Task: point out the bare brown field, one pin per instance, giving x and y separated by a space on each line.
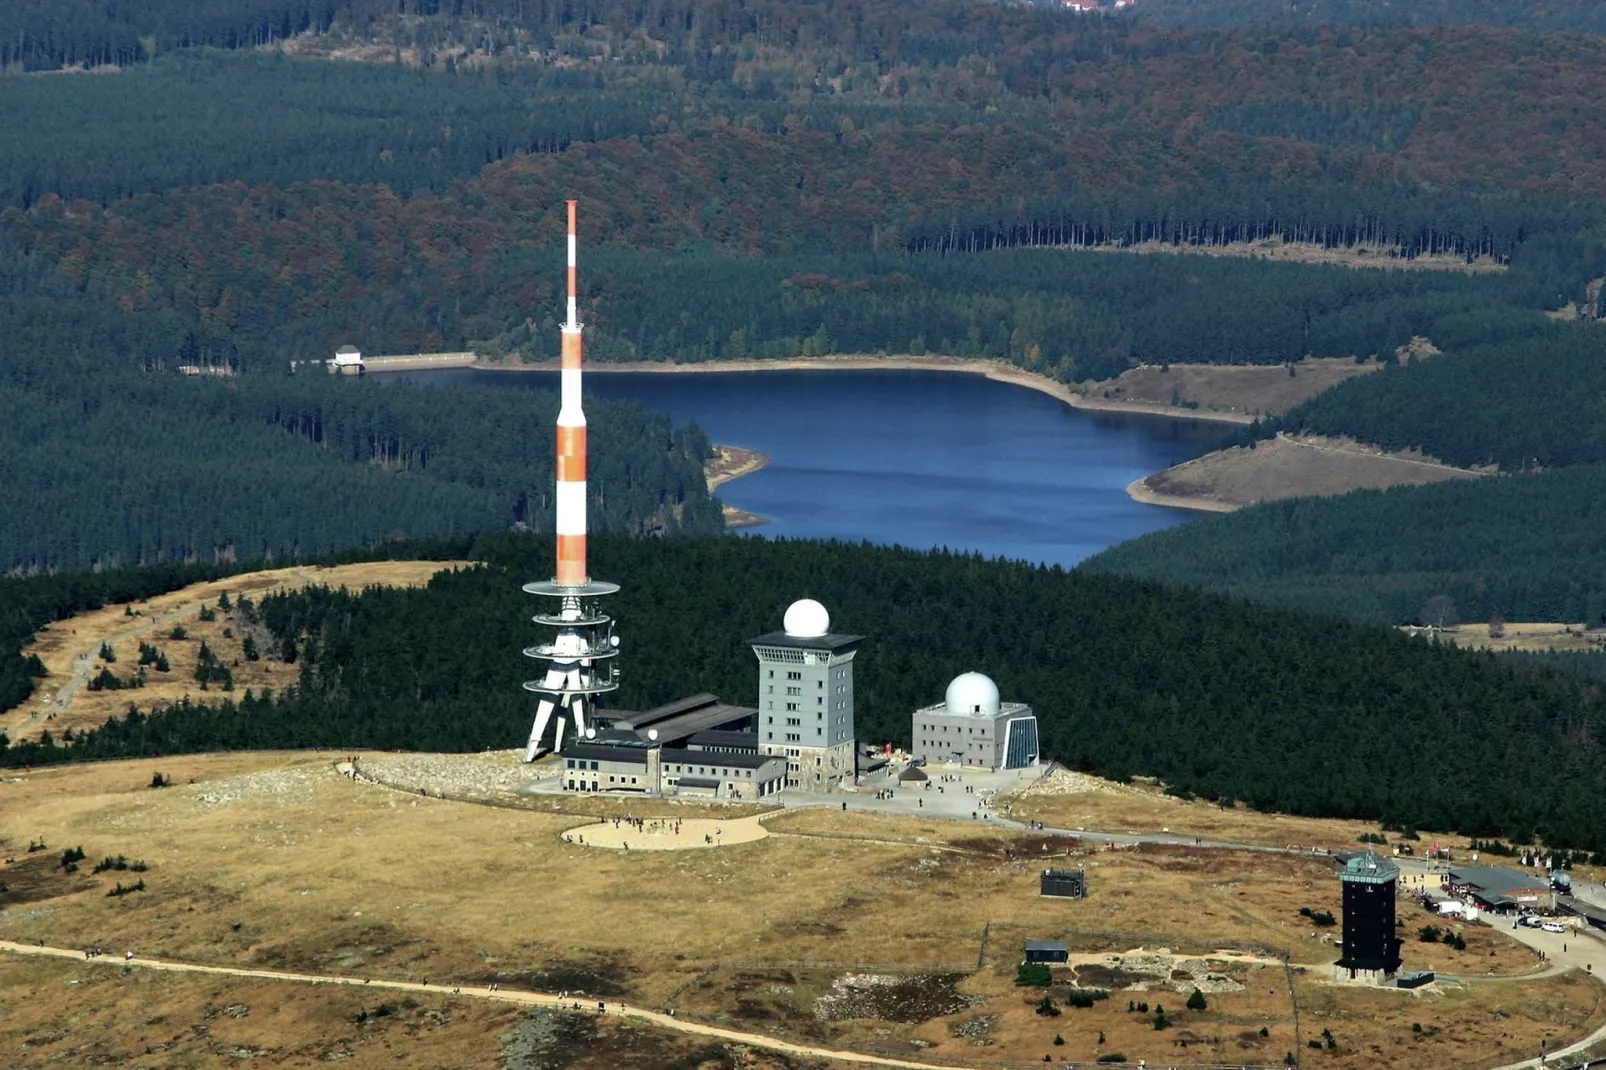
1143 808
277 861
1287 467
1356 256
1248 390
62 645
1473 1025
1534 636
95 1013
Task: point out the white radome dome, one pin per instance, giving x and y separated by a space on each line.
806 619
972 693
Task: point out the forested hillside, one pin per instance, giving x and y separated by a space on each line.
412 195
1307 714
1518 548
111 455
1527 401
1584 16
244 182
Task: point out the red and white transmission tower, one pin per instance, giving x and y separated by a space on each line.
579 659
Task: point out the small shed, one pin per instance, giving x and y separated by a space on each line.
1053 952
913 775
1063 883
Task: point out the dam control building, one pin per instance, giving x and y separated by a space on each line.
973 727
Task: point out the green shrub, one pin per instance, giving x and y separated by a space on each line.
1034 974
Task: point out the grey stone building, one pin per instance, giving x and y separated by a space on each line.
972 727
805 698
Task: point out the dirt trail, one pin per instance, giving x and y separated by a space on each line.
516 996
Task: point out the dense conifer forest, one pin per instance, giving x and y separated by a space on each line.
406 190
1284 710
1524 544
113 456
1517 548
244 182
1525 401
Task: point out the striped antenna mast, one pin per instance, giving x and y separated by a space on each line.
571 452
578 660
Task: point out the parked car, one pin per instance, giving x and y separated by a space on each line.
1553 927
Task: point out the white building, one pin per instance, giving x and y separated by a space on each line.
972 727
347 361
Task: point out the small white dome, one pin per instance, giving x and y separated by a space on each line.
806 619
972 693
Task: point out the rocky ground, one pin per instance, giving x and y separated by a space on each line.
1066 782
488 775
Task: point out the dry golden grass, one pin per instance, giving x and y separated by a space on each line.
1472 1025
275 860
1148 810
60 645
1244 389
56 1011
1288 466
1534 636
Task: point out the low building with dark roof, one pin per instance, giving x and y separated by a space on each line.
1049 951
665 751
1499 889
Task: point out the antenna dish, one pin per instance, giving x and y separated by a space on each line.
806 619
652 733
591 733
613 639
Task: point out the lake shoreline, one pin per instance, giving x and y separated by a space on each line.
732 463
1139 491
996 370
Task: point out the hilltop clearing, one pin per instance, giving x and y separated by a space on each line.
1287 466
1208 693
173 624
1243 391
276 861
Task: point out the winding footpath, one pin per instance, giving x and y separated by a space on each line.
1582 951
500 995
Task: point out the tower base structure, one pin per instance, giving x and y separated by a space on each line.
579 661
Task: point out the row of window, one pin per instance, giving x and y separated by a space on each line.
983 731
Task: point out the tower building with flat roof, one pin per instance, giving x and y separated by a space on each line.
805 698
1371 946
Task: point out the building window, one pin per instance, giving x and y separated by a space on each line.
794 676
770 690
593 767
821 683
791 705
794 691
772 674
